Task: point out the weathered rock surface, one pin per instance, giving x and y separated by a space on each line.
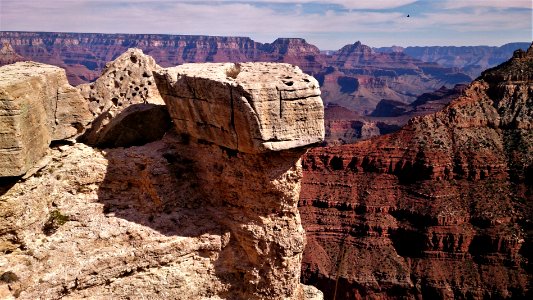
178 218
441 209
126 81
259 106
37 106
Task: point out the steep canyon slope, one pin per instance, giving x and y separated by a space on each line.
441 209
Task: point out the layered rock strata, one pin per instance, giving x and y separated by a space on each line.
472 59
439 210
37 106
354 76
8 55
184 217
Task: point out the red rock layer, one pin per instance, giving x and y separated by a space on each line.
441 209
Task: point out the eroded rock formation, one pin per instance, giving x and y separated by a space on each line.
125 103
439 210
260 106
37 106
359 77
188 216
472 59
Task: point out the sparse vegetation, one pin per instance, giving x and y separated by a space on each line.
55 221
233 71
9 277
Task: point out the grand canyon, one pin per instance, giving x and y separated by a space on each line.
193 167
355 76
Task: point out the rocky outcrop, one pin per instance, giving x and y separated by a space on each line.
295 51
127 81
260 106
439 210
188 216
37 106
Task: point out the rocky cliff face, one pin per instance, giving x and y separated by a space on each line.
360 77
424 104
187 216
439 210
8 55
355 76
472 59
344 126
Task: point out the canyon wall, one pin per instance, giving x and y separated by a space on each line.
206 211
355 76
439 210
471 59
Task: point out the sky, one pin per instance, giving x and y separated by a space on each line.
326 24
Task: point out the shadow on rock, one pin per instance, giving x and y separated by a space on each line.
136 125
246 203
6 183
155 186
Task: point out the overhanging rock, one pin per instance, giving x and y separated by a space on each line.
249 107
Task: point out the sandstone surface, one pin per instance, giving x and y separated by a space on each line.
259 106
441 209
37 106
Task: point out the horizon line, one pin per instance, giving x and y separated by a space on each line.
252 39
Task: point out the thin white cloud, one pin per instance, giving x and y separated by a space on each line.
456 4
352 4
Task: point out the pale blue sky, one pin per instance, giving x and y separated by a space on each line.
327 24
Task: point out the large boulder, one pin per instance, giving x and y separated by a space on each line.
249 107
37 105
